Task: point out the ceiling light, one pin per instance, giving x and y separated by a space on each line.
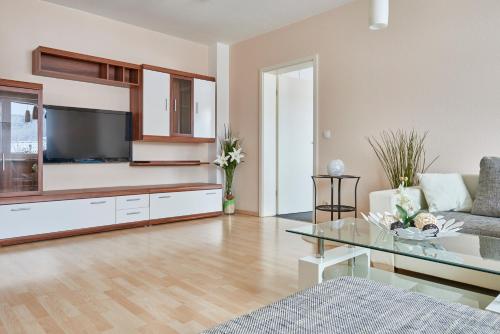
379 14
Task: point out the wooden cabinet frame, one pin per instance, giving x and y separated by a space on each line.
35 89
175 114
137 112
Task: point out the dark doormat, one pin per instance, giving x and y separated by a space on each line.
300 216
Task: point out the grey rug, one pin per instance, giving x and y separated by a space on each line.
350 305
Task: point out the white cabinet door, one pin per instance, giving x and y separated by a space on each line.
185 203
210 200
37 218
166 205
156 103
204 109
91 212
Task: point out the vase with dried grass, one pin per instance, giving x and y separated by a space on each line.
402 155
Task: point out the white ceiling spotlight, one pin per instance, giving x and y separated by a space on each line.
379 14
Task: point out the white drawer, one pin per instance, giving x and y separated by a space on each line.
132 215
176 204
37 218
132 202
210 200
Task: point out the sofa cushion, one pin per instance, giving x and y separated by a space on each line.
473 224
487 202
445 192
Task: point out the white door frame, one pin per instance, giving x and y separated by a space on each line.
315 61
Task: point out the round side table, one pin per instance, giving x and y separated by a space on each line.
339 207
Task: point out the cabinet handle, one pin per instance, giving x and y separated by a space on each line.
197 107
3 161
100 202
133 213
164 197
133 199
166 104
20 209
175 105
210 193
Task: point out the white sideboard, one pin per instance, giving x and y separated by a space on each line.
30 221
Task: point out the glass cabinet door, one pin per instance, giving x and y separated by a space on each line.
182 106
20 118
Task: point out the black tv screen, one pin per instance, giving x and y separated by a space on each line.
86 135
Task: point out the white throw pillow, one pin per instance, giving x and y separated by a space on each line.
445 192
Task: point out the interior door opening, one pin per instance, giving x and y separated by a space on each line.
287 141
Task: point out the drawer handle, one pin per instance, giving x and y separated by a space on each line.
133 213
20 209
99 202
165 197
210 193
133 199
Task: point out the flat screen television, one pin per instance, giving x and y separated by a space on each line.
82 135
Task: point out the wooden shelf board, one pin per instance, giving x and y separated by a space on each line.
180 139
176 163
75 77
59 195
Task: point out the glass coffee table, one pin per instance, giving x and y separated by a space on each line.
359 237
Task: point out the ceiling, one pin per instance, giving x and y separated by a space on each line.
206 21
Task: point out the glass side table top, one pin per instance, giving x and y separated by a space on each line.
469 251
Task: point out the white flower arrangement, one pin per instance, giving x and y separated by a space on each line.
230 157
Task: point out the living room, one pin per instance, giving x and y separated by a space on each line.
137 172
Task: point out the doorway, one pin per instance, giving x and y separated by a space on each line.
287 140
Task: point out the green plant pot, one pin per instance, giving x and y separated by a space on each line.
229 206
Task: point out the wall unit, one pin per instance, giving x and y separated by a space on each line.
174 106
56 214
68 65
21 121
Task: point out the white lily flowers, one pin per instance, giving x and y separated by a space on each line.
236 155
222 160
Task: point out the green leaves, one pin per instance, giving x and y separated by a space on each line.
405 218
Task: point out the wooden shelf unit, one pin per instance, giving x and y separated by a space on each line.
68 65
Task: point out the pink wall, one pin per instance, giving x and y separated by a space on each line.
435 68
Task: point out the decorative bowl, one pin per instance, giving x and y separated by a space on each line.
445 228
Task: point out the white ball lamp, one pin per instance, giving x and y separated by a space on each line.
379 14
335 168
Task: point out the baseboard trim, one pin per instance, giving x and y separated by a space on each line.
247 213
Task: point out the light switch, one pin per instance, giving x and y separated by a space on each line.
327 134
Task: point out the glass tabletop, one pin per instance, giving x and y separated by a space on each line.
469 251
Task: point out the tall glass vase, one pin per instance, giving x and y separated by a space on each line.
229 201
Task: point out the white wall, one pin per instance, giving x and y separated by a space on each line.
26 24
268 145
295 141
219 67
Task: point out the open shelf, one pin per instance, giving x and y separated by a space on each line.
175 163
75 66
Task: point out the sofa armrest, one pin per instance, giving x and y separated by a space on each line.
386 200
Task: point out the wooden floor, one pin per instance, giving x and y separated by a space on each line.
174 278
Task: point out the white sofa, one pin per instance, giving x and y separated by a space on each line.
385 200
